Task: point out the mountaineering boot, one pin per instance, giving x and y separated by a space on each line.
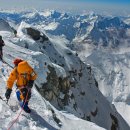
25 106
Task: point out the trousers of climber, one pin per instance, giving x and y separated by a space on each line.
1 47
24 76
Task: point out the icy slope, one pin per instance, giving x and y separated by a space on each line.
41 117
53 59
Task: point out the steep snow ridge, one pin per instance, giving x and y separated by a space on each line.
41 117
30 122
84 88
82 97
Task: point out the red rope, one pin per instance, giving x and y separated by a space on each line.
14 121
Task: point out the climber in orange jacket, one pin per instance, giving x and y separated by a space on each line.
24 76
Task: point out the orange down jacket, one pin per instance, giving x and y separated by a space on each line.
21 74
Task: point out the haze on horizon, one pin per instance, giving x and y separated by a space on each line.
116 7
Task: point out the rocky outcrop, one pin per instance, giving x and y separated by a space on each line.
36 35
56 88
114 125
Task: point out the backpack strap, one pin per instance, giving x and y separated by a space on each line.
24 75
16 72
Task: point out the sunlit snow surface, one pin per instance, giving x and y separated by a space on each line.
110 70
41 117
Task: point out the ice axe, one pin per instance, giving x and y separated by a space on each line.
6 101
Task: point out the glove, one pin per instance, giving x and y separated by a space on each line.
8 92
30 83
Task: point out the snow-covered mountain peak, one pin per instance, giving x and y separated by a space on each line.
63 79
104 23
94 28
51 13
21 29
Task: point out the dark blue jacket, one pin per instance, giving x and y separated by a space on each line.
1 44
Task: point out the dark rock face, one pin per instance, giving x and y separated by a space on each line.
114 125
36 35
69 91
54 86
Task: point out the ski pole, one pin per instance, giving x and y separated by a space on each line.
2 99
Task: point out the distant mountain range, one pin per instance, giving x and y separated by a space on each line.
86 28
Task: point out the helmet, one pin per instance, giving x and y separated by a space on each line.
17 61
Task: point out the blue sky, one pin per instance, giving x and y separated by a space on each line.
76 6
103 1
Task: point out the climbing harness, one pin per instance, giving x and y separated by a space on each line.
14 121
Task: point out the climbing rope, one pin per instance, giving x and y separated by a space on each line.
14 121
28 90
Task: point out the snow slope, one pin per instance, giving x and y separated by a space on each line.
41 117
90 109
52 59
